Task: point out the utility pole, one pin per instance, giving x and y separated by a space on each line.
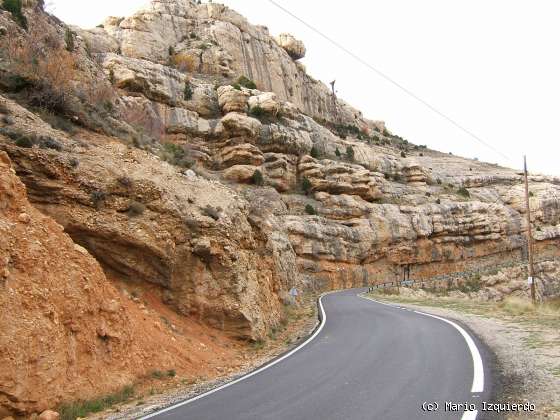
529 234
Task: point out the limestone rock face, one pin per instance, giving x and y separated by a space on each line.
232 100
240 173
238 124
266 102
340 178
158 187
222 43
159 249
156 81
293 47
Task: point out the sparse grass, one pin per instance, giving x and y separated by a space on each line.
82 409
517 306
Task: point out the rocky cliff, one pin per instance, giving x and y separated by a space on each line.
185 149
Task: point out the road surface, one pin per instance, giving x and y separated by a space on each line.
367 361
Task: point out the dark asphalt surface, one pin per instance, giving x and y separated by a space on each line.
370 361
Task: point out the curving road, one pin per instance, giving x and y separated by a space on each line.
368 361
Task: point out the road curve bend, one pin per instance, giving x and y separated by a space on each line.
367 360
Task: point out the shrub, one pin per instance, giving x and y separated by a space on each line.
74 163
136 209
171 373
314 152
6 119
112 76
464 192
57 122
236 86
246 82
97 197
183 62
350 153
257 111
306 185
438 201
257 178
69 39
171 51
50 143
15 8
125 181
188 92
309 209
24 142
403 154
337 152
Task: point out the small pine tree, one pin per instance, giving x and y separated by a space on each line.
350 153
188 93
337 153
69 38
403 154
112 76
314 152
171 51
306 185
257 178
309 209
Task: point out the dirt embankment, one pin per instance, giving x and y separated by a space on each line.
67 333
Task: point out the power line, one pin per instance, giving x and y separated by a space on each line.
391 80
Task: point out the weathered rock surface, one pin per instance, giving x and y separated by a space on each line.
293 47
63 319
338 201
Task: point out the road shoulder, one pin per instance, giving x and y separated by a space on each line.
525 353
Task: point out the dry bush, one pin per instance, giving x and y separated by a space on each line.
184 62
43 62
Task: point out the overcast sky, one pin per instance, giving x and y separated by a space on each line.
493 66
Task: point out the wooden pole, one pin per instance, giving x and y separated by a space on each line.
529 233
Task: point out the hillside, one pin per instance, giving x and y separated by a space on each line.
186 151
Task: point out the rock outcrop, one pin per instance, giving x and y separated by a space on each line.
162 167
62 321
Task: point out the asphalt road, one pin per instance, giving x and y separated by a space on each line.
369 361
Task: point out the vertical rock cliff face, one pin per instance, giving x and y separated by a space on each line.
215 40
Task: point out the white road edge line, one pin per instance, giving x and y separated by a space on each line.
478 368
470 415
253 373
478 379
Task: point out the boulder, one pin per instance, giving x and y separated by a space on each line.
240 173
267 102
49 415
232 100
238 124
294 47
